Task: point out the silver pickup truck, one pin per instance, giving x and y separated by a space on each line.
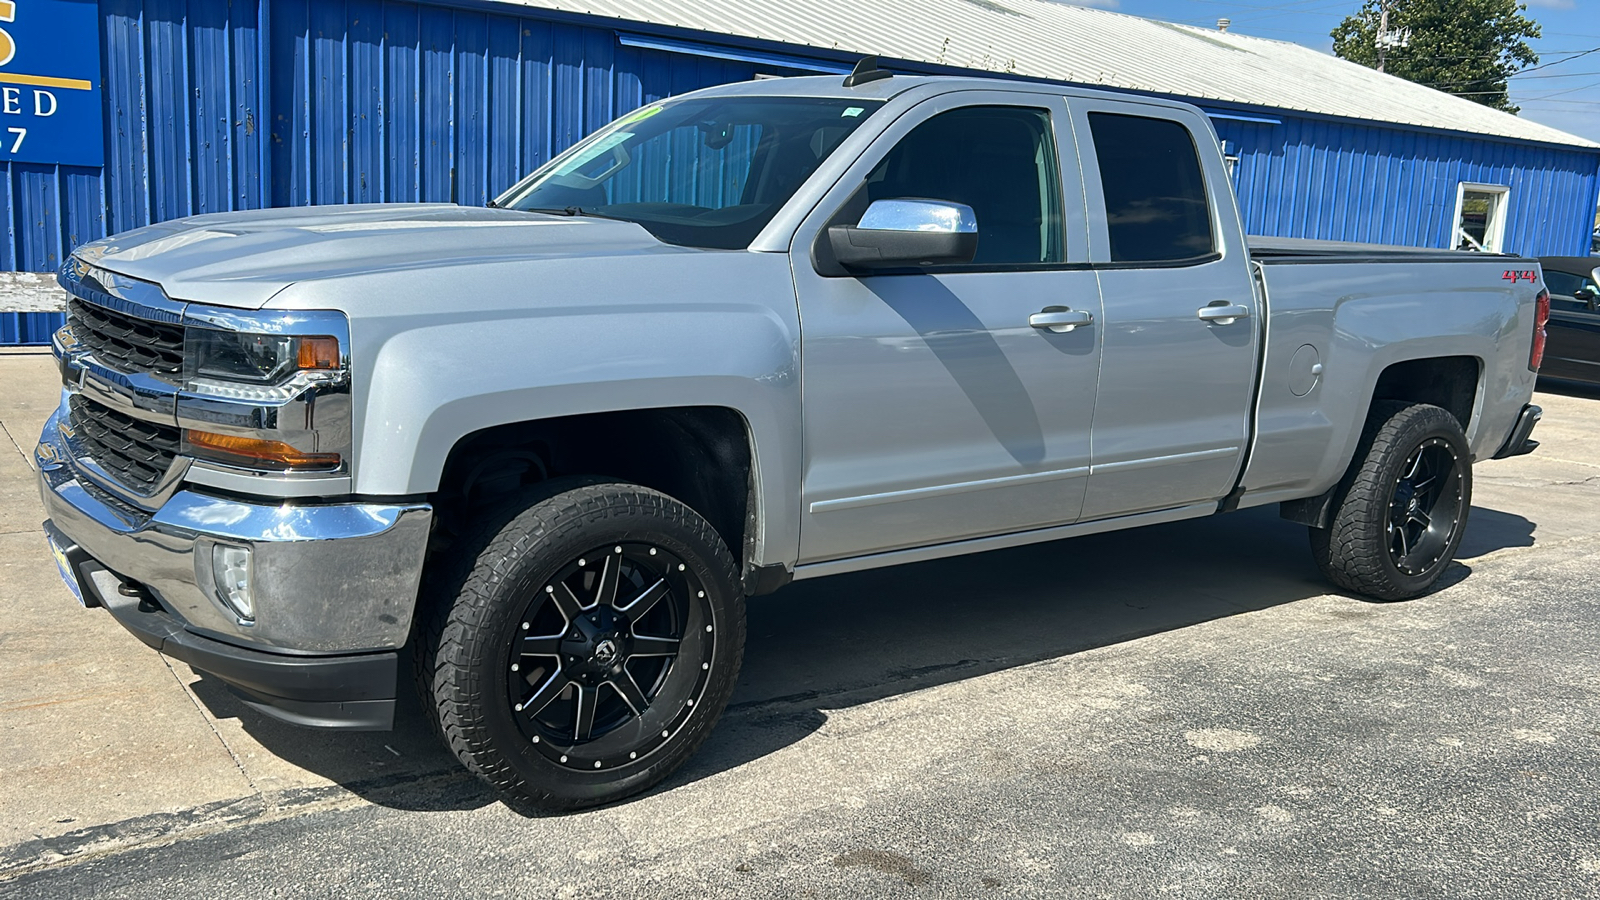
767 331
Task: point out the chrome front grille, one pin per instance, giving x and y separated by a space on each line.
134 452
126 343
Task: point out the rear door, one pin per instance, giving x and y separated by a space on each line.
1181 319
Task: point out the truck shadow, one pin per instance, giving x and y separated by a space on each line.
406 768
1489 530
853 639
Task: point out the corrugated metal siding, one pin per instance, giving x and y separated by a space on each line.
397 101
213 106
28 329
369 101
1344 182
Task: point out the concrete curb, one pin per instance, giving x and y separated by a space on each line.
31 292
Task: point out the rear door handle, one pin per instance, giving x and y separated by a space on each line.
1224 313
1060 319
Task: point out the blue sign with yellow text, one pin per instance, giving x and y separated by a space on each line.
50 82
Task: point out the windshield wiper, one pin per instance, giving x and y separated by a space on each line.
570 211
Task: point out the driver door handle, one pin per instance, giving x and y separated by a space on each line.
1223 314
1060 319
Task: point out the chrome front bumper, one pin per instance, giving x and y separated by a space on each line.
327 579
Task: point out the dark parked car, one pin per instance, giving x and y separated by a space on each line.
1573 351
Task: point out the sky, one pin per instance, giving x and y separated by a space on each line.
1564 93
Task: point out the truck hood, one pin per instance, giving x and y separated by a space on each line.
242 259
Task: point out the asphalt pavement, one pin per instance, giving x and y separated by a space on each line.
1178 710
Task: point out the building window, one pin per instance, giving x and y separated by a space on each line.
1480 217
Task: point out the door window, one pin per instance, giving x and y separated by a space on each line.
999 160
1480 217
1156 207
1563 286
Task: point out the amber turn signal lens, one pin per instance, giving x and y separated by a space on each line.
254 451
319 353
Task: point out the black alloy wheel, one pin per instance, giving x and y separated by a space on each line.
581 643
611 657
1426 507
1401 508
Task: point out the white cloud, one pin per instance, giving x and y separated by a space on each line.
1552 4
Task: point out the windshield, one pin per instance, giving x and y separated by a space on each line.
702 173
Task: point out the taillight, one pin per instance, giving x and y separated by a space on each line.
1541 316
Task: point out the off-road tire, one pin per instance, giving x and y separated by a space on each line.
1354 552
469 623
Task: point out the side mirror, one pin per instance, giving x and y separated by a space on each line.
1585 295
907 233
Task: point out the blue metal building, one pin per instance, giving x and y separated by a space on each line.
213 105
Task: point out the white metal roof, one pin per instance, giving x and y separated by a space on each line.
1045 39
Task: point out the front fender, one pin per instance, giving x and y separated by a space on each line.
498 347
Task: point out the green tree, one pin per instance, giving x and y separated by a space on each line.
1464 47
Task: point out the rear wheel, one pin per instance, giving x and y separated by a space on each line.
589 646
1403 506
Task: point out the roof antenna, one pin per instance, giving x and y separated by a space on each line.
865 71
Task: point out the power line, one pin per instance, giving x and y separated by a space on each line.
1567 75
1581 87
1446 84
1573 53
1560 61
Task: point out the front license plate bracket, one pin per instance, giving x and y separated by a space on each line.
68 556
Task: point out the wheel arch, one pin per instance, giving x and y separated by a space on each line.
703 455
1453 383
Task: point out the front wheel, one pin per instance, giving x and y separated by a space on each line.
1403 506
589 646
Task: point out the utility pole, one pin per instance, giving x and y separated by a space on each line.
1383 33
1387 38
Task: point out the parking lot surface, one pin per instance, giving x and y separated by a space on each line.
1184 709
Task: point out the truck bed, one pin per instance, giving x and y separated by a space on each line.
1270 250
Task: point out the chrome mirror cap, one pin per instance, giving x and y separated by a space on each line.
938 216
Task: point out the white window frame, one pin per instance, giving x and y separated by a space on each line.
1495 228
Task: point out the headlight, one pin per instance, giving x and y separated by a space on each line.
267 391
258 358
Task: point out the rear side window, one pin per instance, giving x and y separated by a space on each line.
1156 208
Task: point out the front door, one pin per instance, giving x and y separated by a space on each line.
1181 325
1572 349
934 412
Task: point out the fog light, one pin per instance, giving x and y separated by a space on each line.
230 569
